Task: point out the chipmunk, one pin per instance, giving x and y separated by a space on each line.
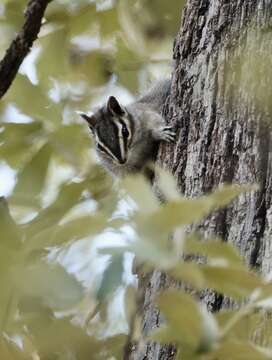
127 137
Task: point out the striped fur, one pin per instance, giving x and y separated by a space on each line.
127 138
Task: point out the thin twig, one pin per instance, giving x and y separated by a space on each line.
22 43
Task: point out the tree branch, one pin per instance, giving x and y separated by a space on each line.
22 43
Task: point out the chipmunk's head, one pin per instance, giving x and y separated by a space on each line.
112 128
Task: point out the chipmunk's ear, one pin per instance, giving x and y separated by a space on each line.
114 107
91 119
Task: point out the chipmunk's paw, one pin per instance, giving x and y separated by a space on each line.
168 134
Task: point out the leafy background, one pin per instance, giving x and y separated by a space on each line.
69 232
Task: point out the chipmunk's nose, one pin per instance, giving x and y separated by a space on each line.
123 161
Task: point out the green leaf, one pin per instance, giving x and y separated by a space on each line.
213 249
70 339
185 211
14 14
140 191
236 282
182 315
81 227
17 131
265 296
48 66
108 22
4 350
41 108
167 184
101 186
69 231
11 235
130 302
31 179
50 282
164 335
60 337
10 257
71 143
227 193
82 20
94 67
245 328
127 65
114 346
11 241
16 141
190 273
68 196
10 351
112 278
236 350
153 253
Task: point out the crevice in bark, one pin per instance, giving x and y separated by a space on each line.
260 217
218 302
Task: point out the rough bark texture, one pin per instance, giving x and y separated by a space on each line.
22 43
224 134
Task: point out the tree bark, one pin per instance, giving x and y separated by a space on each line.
222 114
22 43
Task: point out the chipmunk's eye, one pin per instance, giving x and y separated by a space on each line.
125 132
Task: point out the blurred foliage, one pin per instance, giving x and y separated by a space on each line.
248 69
63 203
197 333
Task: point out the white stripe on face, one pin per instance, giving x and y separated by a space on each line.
121 138
107 150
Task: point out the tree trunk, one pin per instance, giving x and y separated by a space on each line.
219 102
